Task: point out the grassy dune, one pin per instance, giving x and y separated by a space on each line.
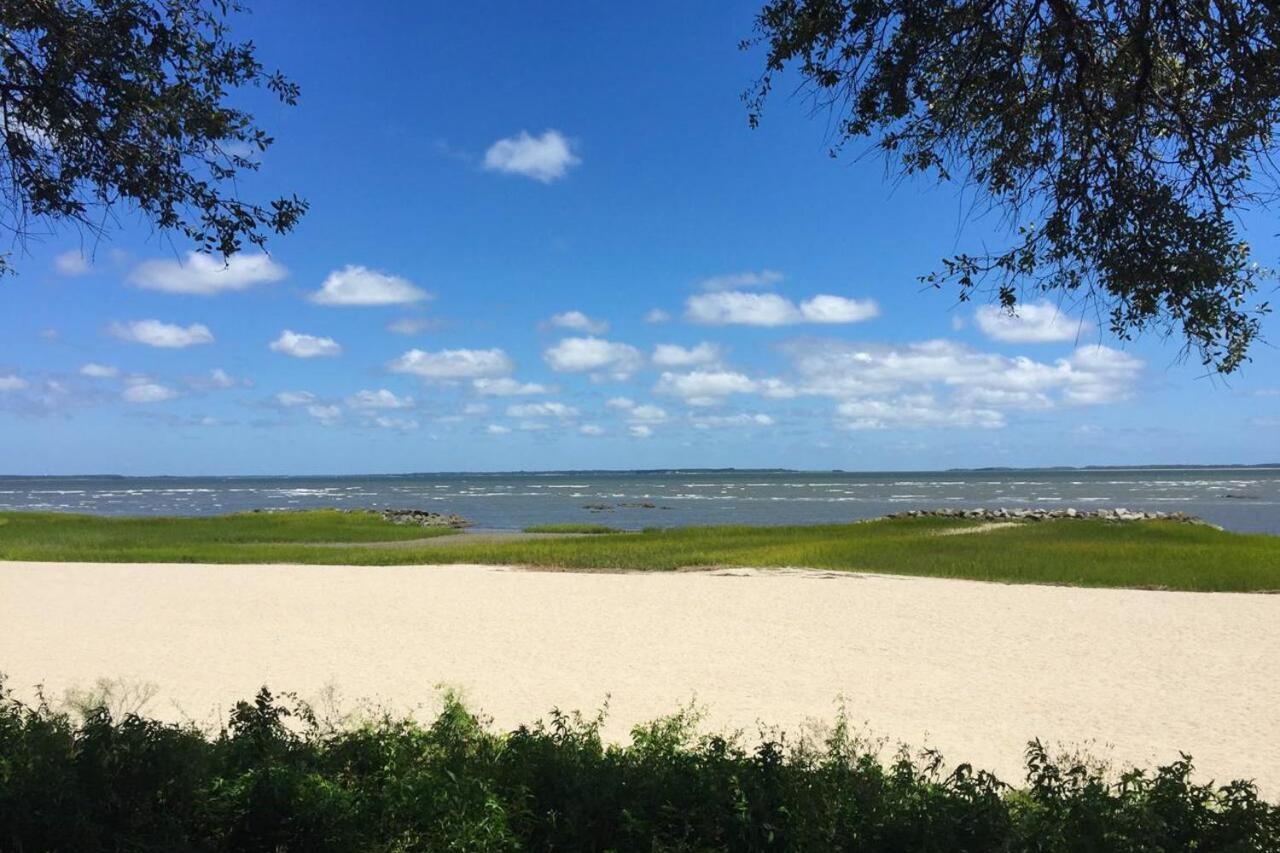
1160 555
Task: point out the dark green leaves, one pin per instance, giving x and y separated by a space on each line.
1123 140
110 103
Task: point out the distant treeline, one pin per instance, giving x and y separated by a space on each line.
277 779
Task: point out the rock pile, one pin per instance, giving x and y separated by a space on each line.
1103 514
421 518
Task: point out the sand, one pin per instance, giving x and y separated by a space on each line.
973 669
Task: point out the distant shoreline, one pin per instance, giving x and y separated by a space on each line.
1258 466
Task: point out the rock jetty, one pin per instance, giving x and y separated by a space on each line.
1102 514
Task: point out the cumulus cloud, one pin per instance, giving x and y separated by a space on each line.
591 429
216 379
72 263
412 325
154 333
290 399
580 322
624 403
544 158
326 415
508 387
648 413
656 315
942 383
305 346
735 307
1037 322
11 382
672 355
453 363
705 387
398 424
760 280
497 429
206 275
357 285
379 399
573 355
639 431
146 391
99 371
913 412
541 410
739 420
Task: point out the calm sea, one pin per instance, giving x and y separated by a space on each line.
1238 499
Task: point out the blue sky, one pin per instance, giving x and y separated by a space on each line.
543 236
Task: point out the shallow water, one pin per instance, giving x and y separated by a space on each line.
1238 499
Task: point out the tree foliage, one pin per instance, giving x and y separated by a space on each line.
1124 139
110 103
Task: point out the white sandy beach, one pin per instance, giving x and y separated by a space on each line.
973 669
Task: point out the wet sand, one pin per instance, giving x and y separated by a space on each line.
974 669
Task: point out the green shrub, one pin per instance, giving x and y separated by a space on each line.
276 779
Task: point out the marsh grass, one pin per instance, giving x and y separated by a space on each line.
1155 554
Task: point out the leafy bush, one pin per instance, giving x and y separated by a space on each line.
277 779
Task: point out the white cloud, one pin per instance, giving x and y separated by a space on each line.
289 399
656 315
648 414
1037 322
154 333
205 275
497 429
742 281
216 379
12 383
544 158
453 363
305 346
357 285
591 429
625 403
400 424
825 308
380 399
475 409
541 410
915 411
508 387
942 383
326 415
145 391
733 307
672 355
740 420
71 263
412 325
639 431
580 322
578 354
99 371
705 387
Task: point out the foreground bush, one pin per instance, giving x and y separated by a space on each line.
275 779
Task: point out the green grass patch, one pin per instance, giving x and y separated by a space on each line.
570 527
1163 555
243 537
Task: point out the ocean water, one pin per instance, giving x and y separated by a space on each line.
1243 499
